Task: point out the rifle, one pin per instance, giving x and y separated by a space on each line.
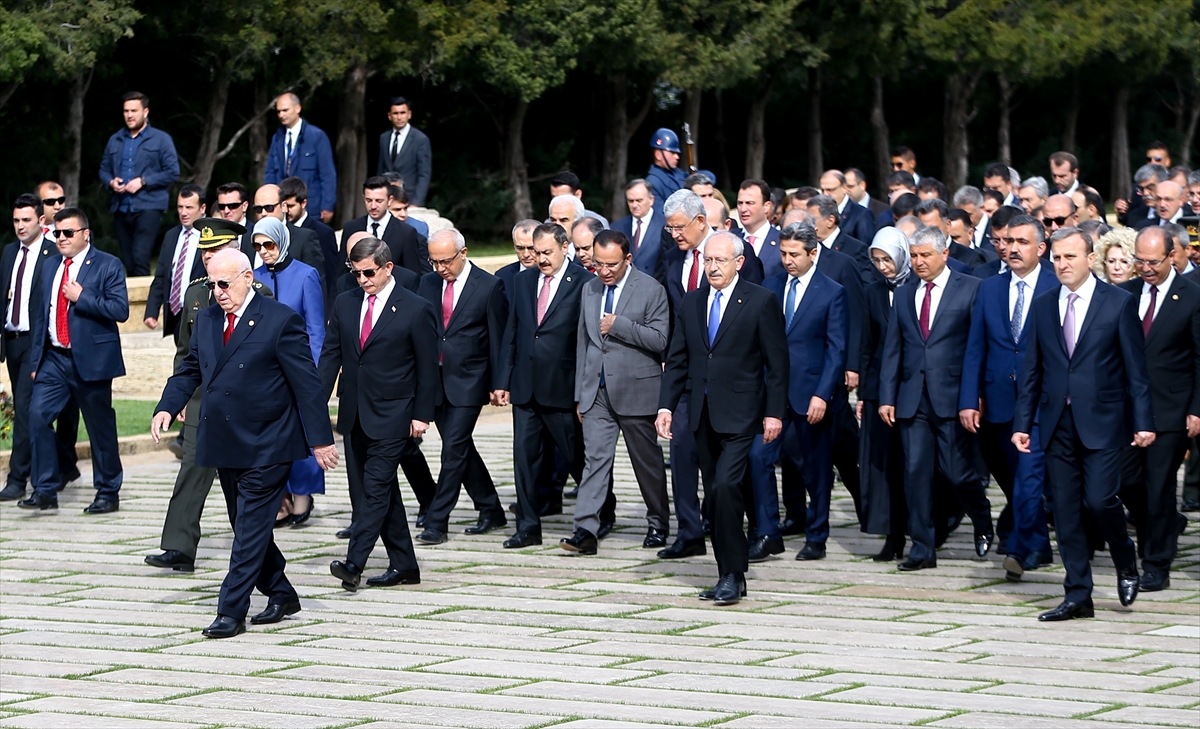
690 147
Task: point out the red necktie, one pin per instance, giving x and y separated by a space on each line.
232 319
925 310
447 304
60 318
693 277
543 299
637 235
1148 319
367 323
16 315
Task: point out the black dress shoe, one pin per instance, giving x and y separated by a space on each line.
1002 546
893 549
420 520
1037 559
1155 581
275 612
581 542
523 539
1014 567
1182 522
1127 585
983 544
655 538
708 594
764 548
1189 505
282 521
912 564
683 548
102 506
297 519
431 536
707 526
1069 610
344 533
176 448
38 501
487 524
172 559
811 551
551 509
730 589
791 527
392 577
224 627
605 529
12 492
348 572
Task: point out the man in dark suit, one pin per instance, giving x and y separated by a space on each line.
76 353
935 213
856 188
299 149
470 329
178 263
537 372
643 226
815 313
294 193
987 400
1170 311
1085 381
522 238
856 220
304 246
827 222
404 149
998 225
21 269
725 335
755 209
969 199
262 411
402 240
919 383
388 363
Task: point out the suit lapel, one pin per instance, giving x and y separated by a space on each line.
814 286
951 291
385 316
626 292
565 286
464 297
1098 297
251 318
85 267
1168 306
732 310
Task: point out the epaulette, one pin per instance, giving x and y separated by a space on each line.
195 281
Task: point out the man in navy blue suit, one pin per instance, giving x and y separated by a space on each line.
302 150
754 209
987 401
522 238
76 353
856 220
294 194
262 410
1085 381
919 383
815 311
643 226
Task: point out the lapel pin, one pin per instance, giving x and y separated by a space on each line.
251 322
393 309
739 301
1175 297
45 253
87 263
568 278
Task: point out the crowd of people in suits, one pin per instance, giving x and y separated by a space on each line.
999 333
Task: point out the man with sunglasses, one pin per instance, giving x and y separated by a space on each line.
76 353
304 244
53 199
1058 212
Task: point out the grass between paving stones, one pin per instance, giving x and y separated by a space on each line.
1110 707
714 722
1164 687
943 717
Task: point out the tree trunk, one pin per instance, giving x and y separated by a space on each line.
351 148
756 141
1119 184
881 139
1004 132
68 171
956 116
516 176
616 146
1071 122
816 160
214 122
691 116
258 130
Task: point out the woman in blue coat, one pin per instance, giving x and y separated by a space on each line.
297 285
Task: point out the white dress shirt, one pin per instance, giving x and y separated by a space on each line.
381 300
459 283
1086 292
980 230
935 296
759 236
237 315
726 294
300 221
828 242
866 201
1174 218
383 224
645 227
1012 200
801 286
687 263
188 262
25 286
76 262
620 286
1144 303
1030 280
397 139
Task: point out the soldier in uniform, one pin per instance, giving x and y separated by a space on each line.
664 176
181 528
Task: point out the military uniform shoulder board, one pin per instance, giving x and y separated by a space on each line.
195 281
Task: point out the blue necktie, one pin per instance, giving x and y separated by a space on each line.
608 309
789 304
287 167
1017 311
714 319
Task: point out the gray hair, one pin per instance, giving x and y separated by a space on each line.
573 201
795 215
1095 229
1064 233
1039 185
697 178
1014 178
453 233
1158 173
834 173
1174 231
739 246
825 206
524 227
232 256
594 226
910 221
804 232
968 194
1194 178
371 248
683 201
929 236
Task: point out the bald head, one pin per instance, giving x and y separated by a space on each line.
287 108
715 212
354 238
795 215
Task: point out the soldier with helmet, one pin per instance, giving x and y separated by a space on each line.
664 176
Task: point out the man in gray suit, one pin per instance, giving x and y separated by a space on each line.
624 322
404 149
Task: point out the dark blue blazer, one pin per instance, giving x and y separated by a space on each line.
772 262
956 265
312 161
857 222
816 339
1106 379
646 257
993 363
262 401
885 219
92 320
156 163
329 245
909 360
844 271
470 345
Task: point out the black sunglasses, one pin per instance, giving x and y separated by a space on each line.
210 285
55 201
230 206
258 209
365 273
67 233
269 245
1060 222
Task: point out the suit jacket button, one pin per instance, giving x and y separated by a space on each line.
1012 377
227 392
710 355
240 366
208 391
227 417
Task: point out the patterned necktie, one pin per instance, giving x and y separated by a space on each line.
1018 311
232 319
543 299
1148 319
60 318
637 235
693 277
714 319
367 324
16 300
287 166
789 304
177 276
1069 325
925 306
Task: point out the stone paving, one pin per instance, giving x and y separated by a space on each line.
90 637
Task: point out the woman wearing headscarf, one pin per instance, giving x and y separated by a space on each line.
885 510
298 285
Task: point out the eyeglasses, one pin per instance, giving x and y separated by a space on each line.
52 201
1151 264
229 206
897 165
716 261
673 229
365 273
259 209
210 285
1153 158
67 233
606 266
445 261
269 245
1056 222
